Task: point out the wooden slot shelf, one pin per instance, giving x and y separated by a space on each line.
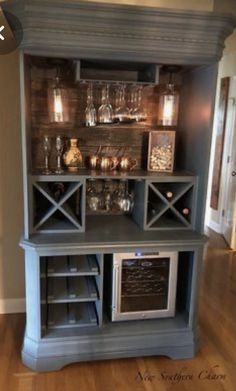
70 289
69 315
74 265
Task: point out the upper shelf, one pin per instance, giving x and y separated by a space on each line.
136 175
121 32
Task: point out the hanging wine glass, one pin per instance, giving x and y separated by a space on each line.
117 103
139 114
133 102
122 111
90 111
59 151
117 196
46 151
107 198
93 198
125 199
105 111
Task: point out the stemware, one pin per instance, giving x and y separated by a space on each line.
59 151
122 111
133 102
124 198
46 151
93 198
105 111
139 114
107 197
90 111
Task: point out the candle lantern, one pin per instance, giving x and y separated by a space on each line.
168 103
58 101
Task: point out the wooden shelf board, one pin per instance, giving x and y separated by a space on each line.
135 174
114 329
71 289
62 316
124 233
53 225
79 265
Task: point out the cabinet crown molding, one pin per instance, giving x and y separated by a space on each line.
120 32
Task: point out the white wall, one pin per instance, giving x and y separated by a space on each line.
227 67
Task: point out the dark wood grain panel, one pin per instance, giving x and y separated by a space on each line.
126 138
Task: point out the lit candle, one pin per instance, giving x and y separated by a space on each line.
58 109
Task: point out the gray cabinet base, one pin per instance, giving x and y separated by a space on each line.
50 354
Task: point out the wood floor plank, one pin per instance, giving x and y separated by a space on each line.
213 369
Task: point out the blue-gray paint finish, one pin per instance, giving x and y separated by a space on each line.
121 32
125 33
175 337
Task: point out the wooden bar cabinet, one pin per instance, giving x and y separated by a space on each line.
68 249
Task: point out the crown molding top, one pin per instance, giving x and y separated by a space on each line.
124 32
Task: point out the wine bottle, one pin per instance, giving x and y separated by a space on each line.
169 194
185 211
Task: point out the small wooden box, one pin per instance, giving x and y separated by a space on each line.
161 151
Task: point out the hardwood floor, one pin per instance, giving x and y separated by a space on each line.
212 370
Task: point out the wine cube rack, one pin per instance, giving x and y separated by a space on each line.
167 205
160 203
58 209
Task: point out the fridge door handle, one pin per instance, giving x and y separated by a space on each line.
116 291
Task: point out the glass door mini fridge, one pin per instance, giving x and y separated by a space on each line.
144 285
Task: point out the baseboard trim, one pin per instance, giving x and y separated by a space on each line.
12 306
215 226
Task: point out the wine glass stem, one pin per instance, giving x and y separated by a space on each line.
59 162
46 162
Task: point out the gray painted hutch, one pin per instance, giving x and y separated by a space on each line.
144 37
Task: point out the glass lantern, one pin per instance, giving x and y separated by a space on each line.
168 107
58 102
